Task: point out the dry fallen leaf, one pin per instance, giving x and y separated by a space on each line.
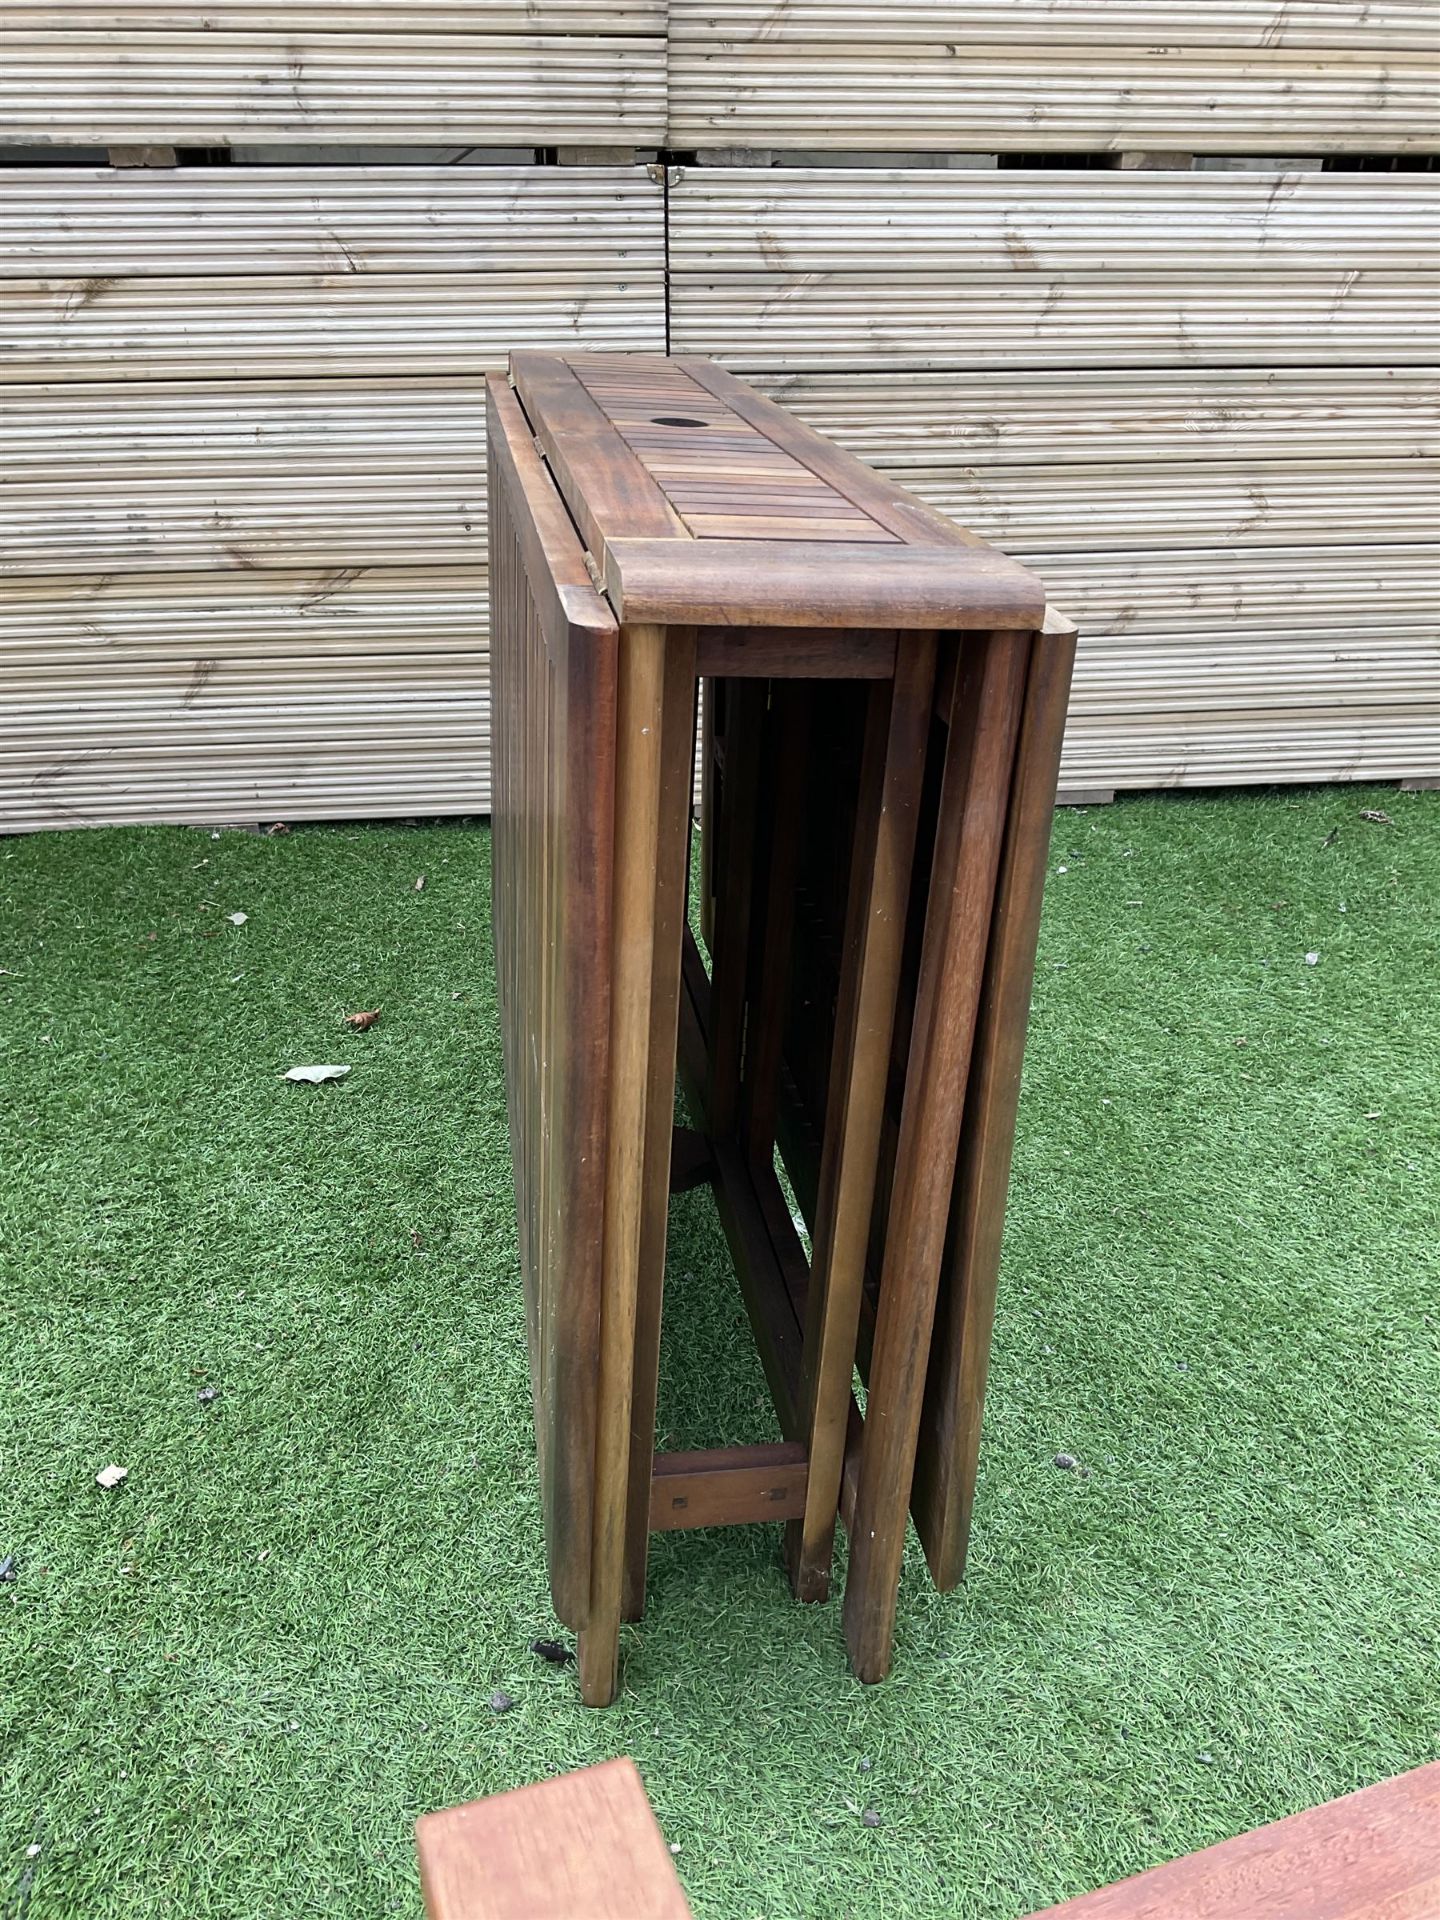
111 1476
419 883
314 1075
360 1021
237 919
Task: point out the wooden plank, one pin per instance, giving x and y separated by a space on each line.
926 423
75 86
598 474
727 1486
924 224
585 1844
983 725
556 664
85 223
340 16
804 585
953 92
671 874
762 653
948 1450
288 325
1394 26
640 761
1373 1855
775 322
891 780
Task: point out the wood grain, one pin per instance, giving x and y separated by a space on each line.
613 431
585 1846
983 725
672 845
1373 1855
891 779
948 1450
555 670
727 1486
635 1180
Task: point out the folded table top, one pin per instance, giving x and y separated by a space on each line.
702 503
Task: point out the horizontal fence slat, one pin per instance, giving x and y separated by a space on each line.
99 223
262 593
1251 76
1200 406
340 17
1376 27
137 84
924 224
938 420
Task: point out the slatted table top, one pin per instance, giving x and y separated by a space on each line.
702 503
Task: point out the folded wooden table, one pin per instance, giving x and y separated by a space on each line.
885 702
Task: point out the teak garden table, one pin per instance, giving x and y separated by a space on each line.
885 698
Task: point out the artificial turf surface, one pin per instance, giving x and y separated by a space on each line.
230 1685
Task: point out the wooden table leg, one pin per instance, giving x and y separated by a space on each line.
677 762
891 778
974 798
643 1009
949 1448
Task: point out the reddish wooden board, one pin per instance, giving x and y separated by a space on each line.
583 1847
1375 1855
553 675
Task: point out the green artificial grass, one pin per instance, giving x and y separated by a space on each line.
229 1686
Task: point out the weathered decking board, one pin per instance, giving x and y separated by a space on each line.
1259 749
1123 505
1035 76
939 421
104 224
319 693
1379 27
1218 453
184 476
925 224
378 80
347 16
1243 593
265 596
281 324
817 269
811 320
